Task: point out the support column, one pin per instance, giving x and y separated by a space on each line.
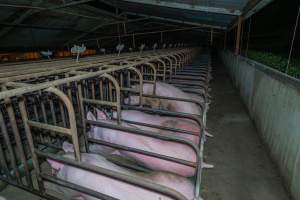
238 36
133 41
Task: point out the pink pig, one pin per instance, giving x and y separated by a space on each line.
167 90
112 187
162 147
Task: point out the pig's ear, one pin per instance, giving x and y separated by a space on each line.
101 115
90 116
55 165
68 147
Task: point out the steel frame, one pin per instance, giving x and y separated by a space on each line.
72 86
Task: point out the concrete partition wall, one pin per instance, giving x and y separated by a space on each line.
273 102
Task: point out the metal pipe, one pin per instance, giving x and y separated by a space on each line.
292 44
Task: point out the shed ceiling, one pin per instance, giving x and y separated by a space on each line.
57 23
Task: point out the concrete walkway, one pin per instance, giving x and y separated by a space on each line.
243 169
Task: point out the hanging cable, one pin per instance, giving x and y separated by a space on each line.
293 40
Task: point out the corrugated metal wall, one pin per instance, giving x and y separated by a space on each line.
273 102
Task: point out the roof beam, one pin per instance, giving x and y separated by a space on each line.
33 9
185 6
254 6
102 12
66 12
20 19
147 33
65 5
178 21
100 26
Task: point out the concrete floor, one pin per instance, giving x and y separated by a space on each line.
243 169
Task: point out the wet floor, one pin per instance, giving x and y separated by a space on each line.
243 169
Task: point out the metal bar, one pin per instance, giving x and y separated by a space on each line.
141 33
254 6
161 127
292 44
178 21
19 91
185 6
49 127
4 165
99 102
72 119
10 149
139 151
16 133
65 5
31 143
139 182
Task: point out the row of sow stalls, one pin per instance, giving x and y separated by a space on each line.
52 113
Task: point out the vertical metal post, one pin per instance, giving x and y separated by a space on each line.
98 44
124 27
3 162
10 148
161 37
31 143
82 112
133 41
238 36
293 40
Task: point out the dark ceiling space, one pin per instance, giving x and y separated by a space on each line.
59 24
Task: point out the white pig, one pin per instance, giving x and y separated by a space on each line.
115 188
166 90
172 149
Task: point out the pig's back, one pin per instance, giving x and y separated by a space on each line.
118 189
167 90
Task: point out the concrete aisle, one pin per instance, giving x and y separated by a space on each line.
243 169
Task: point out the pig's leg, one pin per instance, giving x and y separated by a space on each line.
207 166
208 134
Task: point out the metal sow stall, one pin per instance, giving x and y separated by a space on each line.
45 108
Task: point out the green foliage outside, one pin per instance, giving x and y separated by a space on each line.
276 61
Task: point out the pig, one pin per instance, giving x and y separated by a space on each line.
166 90
172 149
109 186
171 122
